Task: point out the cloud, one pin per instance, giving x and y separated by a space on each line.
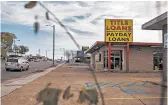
84 20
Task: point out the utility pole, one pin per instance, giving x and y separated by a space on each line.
46 53
64 51
14 46
39 52
64 54
53 43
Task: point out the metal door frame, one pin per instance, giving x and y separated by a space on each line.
120 59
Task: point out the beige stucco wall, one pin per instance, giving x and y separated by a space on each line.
141 60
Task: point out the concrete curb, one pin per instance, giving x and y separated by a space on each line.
8 87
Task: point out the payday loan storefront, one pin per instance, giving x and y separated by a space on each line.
141 56
119 52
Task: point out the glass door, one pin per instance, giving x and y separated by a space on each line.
117 64
116 60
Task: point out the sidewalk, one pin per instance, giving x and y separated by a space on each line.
78 77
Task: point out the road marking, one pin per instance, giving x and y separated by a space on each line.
144 84
130 84
132 91
134 98
117 85
101 84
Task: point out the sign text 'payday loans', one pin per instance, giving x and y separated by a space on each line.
118 30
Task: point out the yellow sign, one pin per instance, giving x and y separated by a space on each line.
118 30
84 48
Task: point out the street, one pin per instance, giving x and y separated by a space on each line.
34 66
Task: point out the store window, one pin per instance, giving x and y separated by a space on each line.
157 61
98 57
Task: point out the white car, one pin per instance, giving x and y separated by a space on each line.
37 60
17 63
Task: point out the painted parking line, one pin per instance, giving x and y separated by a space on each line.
101 84
134 98
134 91
130 84
117 85
144 84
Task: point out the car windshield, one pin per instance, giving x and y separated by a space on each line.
12 60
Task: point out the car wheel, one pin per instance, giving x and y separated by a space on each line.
7 69
27 68
21 69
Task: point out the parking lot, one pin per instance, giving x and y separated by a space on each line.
117 88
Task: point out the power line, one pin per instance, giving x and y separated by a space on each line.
62 25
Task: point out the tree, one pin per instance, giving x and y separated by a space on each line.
23 49
6 42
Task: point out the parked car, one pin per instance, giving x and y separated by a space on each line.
36 60
16 64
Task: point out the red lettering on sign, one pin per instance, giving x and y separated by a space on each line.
107 28
129 28
118 28
124 28
113 28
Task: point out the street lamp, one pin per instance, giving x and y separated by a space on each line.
14 45
53 41
46 53
64 51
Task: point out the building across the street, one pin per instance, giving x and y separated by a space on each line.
135 56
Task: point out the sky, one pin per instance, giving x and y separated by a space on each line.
83 19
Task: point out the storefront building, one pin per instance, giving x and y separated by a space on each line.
160 23
135 56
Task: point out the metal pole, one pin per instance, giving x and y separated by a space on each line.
14 46
46 53
53 43
39 52
165 63
64 53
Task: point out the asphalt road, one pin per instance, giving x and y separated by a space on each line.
33 66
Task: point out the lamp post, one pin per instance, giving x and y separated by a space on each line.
64 51
46 53
14 45
53 41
